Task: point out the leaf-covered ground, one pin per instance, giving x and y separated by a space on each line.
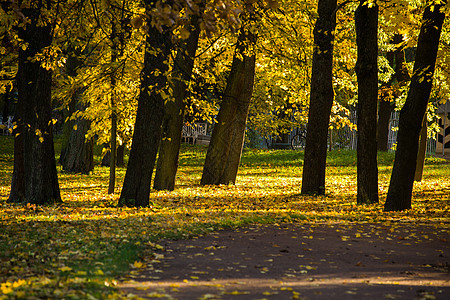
83 247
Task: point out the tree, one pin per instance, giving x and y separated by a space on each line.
225 148
321 100
77 154
173 121
17 192
366 21
34 80
149 117
422 150
411 116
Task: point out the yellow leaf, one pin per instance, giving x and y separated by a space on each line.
138 265
6 288
65 269
81 273
99 272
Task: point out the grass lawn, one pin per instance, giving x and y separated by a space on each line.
81 248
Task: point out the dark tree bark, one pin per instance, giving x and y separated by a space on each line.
5 112
106 159
120 155
117 45
411 116
79 153
384 117
366 22
34 88
149 117
321 100
67 128
225 148
72 64
172 126
238 137
113 140
422 151
17 192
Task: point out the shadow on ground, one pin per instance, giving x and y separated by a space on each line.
300 261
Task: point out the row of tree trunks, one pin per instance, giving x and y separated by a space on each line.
321 100
173 121
412 114
149 117
366 22
225 148
40 180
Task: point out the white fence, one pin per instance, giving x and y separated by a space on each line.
193 133
6 128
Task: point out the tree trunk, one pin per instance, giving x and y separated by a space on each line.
113 141
17 192
321 100
172 126
120 152
34 87
67 129
225 148
366 22
120 155
113 136
150 113
422 151
71 67
238 137
5 112
79 154
106 159
411 116
384 117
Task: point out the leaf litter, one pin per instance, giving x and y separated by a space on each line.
88 248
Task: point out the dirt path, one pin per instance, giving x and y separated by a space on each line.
361 261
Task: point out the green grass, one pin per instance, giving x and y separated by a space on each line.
81 247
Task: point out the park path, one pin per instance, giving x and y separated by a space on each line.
301 261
